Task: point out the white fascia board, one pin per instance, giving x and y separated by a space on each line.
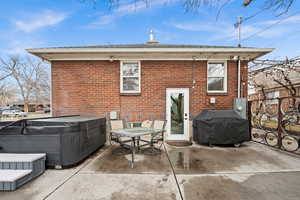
136 50
134 59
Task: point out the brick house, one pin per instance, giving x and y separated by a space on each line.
148 81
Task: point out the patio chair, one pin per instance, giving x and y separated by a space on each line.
145 138
124 148
147 124
115 125
156 138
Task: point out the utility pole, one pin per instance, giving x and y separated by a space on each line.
238 27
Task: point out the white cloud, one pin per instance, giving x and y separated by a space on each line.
224 30
128 9
216 30
195 26
289 20
18 46
41 20
105 19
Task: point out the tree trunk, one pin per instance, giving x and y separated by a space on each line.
26 106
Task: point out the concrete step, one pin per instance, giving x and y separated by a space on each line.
17 169
20 161
11 179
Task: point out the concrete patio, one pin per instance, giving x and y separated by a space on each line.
253 171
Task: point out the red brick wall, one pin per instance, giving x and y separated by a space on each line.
92 88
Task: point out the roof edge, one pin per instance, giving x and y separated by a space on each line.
145 49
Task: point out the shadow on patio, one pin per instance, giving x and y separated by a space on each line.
111 163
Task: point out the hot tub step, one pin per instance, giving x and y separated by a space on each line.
16 169
11 179
21 161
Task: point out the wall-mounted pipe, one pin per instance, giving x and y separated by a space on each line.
193 71
238 60
239 78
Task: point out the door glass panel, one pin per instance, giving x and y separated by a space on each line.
177 112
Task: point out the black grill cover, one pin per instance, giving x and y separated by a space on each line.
220 127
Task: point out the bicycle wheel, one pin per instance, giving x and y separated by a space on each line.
290 143
255 121
258 135
290 105
271 139
263 121
289 121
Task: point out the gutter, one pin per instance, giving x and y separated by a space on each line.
51 54
140 50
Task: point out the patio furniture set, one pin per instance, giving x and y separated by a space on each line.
138 139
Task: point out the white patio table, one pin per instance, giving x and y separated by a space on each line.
134 134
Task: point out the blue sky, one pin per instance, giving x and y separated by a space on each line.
49 23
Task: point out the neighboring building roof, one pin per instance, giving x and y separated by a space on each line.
19 103
147 51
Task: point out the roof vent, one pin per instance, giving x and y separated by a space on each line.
151 38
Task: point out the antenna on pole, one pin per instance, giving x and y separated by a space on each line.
238 27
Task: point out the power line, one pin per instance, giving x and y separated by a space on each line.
265 64
271 26
255 14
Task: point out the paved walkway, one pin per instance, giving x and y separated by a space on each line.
253 171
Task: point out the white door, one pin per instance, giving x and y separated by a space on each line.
177 113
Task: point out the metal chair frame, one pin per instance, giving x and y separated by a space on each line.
117 138
155 139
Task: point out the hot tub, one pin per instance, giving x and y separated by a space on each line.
65 140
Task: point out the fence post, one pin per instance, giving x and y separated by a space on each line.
279 126
249 118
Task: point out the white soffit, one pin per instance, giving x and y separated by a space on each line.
148 53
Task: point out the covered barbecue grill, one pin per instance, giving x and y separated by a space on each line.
220 127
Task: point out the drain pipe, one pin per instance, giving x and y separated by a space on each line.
239 78
237 59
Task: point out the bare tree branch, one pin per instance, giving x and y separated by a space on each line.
30 76
282 6
7 93
247 2
280 72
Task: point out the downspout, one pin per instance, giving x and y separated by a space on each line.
193 72
239 78
51 90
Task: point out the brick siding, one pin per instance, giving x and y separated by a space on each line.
93 88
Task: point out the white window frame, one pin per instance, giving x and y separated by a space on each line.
225 76
121 76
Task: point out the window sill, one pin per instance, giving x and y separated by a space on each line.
130 94
216 93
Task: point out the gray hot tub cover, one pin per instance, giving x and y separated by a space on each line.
220 127
66 140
